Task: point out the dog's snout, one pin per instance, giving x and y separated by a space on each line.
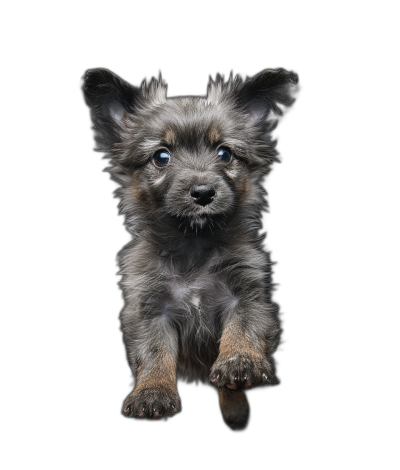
202 194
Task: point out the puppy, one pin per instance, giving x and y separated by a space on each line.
196 280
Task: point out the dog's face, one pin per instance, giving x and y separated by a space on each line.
193 156
192 160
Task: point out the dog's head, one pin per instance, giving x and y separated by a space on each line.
191 161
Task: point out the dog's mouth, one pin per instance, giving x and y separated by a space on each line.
199 222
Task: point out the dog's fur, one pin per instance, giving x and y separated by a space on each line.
195 278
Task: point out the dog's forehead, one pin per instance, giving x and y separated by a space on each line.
185 120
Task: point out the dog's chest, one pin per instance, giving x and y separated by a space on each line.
191 292
199 298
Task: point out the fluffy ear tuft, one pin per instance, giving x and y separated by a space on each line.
110 100
262 93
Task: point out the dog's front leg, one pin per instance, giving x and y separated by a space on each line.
152 350
249 337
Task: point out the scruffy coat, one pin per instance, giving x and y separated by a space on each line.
195 278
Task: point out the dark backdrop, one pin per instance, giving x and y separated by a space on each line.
305 230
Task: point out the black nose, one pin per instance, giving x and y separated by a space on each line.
202 194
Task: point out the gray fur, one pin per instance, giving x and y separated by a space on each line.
190 271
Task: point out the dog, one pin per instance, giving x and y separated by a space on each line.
195 278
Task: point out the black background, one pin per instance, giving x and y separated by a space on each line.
306 416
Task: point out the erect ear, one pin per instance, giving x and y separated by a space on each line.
262 93
110 100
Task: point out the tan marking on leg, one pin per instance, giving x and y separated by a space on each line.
162 374
155 394
241 363
234 342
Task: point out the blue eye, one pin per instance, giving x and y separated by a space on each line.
161 157
224 154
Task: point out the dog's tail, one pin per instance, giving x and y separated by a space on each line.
235 408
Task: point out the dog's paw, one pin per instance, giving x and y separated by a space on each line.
242 372
152 402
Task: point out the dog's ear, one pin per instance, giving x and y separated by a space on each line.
263 93
264 98
110 99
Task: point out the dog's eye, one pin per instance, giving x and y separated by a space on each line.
224 154
161 157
